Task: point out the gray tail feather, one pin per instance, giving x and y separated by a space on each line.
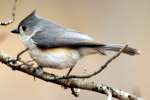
117 47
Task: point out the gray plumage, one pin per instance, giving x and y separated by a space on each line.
46 35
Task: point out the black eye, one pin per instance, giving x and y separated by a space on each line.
24 28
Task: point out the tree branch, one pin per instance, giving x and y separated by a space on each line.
72 83
4 23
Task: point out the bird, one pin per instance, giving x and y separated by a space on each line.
54 46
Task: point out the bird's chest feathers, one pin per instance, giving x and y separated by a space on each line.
27 41
55 53
55 57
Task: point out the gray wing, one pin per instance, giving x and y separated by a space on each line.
63 39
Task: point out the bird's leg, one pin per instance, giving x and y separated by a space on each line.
19 54
74 92
66 81
38 70
69 71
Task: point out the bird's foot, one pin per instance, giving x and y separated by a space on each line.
37 71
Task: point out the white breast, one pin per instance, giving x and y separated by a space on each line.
58 58
27 41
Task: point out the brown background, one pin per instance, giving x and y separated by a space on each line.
109 21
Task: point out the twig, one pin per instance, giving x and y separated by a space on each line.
75 83
4 23
101 68
74 92
19 54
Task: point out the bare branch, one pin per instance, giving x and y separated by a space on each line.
4 23
72 83
74 92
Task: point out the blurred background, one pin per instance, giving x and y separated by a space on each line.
108 21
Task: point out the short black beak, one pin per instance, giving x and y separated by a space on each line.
16 31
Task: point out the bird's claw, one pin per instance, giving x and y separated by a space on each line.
37 71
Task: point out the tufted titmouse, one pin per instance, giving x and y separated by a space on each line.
54 46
